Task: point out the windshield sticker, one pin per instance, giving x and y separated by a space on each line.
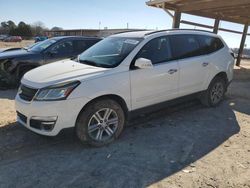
131 41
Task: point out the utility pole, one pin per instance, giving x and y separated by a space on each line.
100 25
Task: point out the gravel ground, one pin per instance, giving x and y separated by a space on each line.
186 145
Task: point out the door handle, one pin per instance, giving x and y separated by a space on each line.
204 64
172 71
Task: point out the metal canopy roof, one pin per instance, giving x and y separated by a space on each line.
228 10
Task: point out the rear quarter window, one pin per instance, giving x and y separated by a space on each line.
209 44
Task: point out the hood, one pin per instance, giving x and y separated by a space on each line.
3 49
59 72
15 53
9 49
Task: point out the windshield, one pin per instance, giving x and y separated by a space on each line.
30 46
109 52
42 45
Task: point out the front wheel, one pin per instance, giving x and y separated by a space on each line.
100 122
215 92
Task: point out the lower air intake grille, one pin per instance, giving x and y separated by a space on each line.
22 117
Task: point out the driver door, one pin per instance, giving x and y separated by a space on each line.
157 84
59 51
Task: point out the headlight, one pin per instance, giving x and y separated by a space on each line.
56 92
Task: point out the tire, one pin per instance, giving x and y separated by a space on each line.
91 126
215 92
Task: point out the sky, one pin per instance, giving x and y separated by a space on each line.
92 14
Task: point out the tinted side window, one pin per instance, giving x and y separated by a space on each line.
79 46
209 44
91 42
184 46
61 48
157 50
82 45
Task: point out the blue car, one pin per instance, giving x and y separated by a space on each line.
15 63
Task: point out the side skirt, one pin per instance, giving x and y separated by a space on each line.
156 107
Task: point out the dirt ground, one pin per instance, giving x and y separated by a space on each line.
16 44
187 145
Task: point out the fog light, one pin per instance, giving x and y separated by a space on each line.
44 118
43 123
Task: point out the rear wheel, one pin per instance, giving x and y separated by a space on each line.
100 122
215 92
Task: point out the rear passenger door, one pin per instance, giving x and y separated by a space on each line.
159 83
82 45
194 66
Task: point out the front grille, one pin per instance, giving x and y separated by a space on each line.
27 93
22 117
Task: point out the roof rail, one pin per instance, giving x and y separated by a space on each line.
153 32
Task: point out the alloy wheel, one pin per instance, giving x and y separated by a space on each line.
217 92
103 124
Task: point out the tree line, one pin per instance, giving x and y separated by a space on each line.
24 30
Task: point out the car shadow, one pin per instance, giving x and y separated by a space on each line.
151 148
236 104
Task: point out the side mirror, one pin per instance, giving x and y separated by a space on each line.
143 63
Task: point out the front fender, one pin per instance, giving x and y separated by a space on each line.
7 73
10 72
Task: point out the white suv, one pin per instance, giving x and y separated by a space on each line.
122 73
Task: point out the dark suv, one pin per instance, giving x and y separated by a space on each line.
15 63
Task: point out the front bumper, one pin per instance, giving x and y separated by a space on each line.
48 117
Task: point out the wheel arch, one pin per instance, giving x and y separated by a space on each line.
222 75
204 97
114 97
